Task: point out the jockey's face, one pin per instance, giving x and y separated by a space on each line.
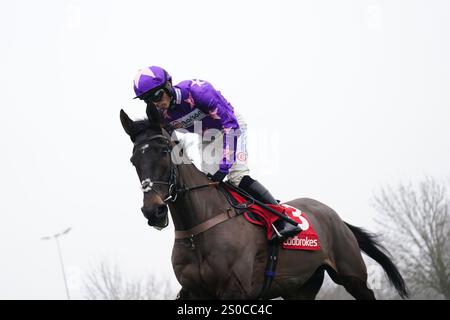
164 103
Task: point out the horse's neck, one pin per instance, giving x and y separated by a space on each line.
196 206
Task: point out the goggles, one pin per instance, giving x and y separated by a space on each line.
153 97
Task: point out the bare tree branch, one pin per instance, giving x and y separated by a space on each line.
105 281
416 222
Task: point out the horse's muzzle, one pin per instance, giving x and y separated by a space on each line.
157 217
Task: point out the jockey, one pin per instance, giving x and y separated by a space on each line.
190 101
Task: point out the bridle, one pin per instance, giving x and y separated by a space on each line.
174 190
147 184
172 183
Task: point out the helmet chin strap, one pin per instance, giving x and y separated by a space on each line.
171 93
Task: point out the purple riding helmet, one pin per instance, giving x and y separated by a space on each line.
150 79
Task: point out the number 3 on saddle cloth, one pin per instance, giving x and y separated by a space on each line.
307 239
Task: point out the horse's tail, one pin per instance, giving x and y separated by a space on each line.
369 245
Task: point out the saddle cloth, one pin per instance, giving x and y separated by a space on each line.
307 239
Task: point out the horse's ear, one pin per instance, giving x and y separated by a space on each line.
127 123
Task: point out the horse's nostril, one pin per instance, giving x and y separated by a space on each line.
156 216
161 211
158 212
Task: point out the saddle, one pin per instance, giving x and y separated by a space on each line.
252 212
307 239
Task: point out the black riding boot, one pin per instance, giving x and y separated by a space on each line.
282 228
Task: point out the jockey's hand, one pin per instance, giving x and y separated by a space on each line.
218 176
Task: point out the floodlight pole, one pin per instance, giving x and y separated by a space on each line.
56 237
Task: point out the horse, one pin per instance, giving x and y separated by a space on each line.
227 260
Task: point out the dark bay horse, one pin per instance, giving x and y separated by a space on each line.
228 260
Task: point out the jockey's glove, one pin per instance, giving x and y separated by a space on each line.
218 176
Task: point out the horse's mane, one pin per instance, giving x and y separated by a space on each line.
153 122
144 124
141 126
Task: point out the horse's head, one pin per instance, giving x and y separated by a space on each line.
152 160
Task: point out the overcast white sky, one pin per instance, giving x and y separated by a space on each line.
350 95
